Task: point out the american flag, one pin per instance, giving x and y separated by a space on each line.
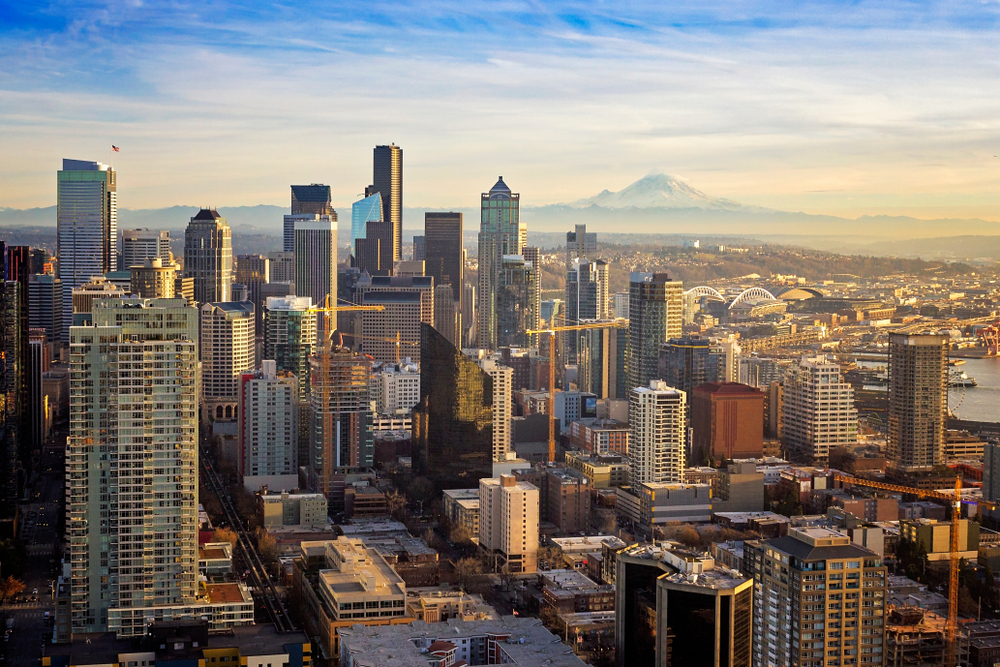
114 148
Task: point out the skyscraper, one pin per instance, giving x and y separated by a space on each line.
227 352
580 245
133 444
517 304
316 259
12 411
657 419
45 305
253 271
686 363
141 244
818 412
444 261
388 181
309 200
373 253
586 298
208 256
406 302
601 362
655 309
364 211
290 337
87 226
500 234
503 400
269 422
153 279
281 267
918 400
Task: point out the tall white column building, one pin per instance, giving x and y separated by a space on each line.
818 410
316 257
227 351
508 523
139 245
394 388
208 256
658 422
132 464
503 397
269 422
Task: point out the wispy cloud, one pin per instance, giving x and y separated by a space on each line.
773 103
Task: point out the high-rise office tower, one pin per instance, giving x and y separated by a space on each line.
533 256
87 226
516 301
373 253
819 600
17 269
580 245
38 365
142 244
444 261
39 261
153 279
290 337
316 259
419 248
12 410
281 267
269 422
508 523
500 234
45 305
727 419
406 302
918 400
677 606
686 363
228 351
469 317
601 362
340 428
503 400
655 305
453 423
388 181
308 200
253 271
364 211
208 256
586 299
133 444
818 412
658 422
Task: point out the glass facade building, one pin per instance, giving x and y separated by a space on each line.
364 211
686 363
387 179
656 306
517 308
500 234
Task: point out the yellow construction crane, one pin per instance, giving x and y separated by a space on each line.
397 340
956 500
552 331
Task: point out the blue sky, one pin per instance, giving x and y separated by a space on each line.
837 107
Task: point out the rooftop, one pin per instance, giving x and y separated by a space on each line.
207 214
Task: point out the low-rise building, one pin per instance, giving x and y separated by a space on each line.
652 505
599 436
567 500
603 470
364 501
292 509
935 538
434 605
215 559
569 591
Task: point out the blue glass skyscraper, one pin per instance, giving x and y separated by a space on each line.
364 211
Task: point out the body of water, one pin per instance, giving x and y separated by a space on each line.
980 403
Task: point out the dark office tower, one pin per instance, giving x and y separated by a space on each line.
312 199
39 258
208 256
500 234
38 364
252 271
453 422
406 302
918 400
419 249
686 363
517 307
11 383
675 606
601 362
656 306
443 261
388 181
586 298
374 252
18 269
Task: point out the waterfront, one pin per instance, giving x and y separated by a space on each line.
980 403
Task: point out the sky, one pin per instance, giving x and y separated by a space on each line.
843 108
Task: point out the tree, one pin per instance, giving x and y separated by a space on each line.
396 503
421 491
550 558
11 588
506 577
469 572
226 535
789 504
460 534
267 547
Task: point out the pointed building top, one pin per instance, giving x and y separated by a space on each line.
500 187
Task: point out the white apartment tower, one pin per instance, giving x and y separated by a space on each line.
658 423
503 397
269 422
142 244
132 464
394 388
818 411
227 351
316 257
508 523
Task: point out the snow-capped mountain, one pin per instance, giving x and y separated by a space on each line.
658 191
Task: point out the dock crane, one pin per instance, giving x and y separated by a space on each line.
552 331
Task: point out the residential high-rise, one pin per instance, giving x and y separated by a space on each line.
142 244
227 352
819 600
394 388
316 259
601 361
500 234
364 211
208 256
728 422
254 271
580 245
657 419
153 279
508 523
133 443
87 226
918 400
517 305
387 180
290 337
407 302
45 305
453 423
444 261
655 307
586 299
269 422
281 266
818 412
675 606
686 363
84 296
308 200
503 400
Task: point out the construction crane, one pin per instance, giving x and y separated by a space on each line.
552 331
956 500
397 340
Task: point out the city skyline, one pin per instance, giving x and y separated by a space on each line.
823 109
